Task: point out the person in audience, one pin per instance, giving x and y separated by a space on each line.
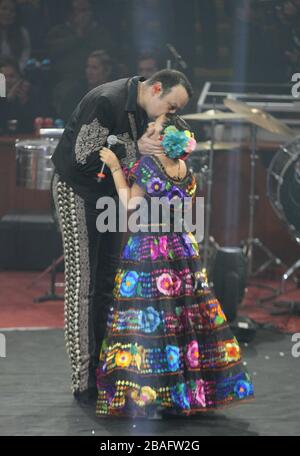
70 44
14 39
98 70
24 102
147 65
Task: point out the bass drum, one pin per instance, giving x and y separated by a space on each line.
283 185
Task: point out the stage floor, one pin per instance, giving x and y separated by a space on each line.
35 398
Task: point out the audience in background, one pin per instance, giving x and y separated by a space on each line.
147 65
98 70
150 23
32 15
289 16
62 40
23 101
14 39
70 44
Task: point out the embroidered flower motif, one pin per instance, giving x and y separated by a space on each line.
110 393
123 358
133 241
154 250
190 244
232 352
184 318
176 283
163 246
164 284
131 170
220 312
126 252
212 310
179 395
150 320
103 349
175 196
172 353
193 354
90 138
155 186
118 280
200 393
131 249
144 285
146 396
143 173
243 389
192 187
220 318
168 284
196 392
129 283
171 254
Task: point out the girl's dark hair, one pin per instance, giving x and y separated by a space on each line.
177 121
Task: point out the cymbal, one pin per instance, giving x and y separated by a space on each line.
206 146
259 117
214 114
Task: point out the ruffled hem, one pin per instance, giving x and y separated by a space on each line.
182 399
171 412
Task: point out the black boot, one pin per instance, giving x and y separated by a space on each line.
86 397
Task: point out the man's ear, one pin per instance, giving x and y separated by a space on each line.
156 88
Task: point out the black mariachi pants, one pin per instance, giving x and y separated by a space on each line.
91 260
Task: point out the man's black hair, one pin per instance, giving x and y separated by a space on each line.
170 79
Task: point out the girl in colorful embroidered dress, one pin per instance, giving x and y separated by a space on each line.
167 346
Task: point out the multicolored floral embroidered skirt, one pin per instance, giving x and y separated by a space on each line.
167 345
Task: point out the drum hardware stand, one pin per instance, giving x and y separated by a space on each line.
51 295
207 238
293 307
289 273
250 243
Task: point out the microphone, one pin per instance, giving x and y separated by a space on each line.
177 56
112 140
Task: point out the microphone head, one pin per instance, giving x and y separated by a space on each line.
112 140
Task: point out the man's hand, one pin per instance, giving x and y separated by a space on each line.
148 145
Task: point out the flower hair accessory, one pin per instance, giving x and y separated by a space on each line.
177 143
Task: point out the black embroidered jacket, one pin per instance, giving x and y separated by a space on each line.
102 112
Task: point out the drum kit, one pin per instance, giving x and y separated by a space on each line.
283 179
